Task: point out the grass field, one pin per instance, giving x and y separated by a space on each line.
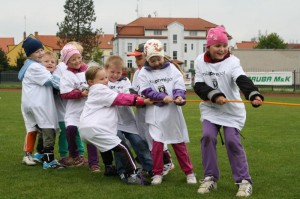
272 145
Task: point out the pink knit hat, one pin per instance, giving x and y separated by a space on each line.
216 35
152 48
67 52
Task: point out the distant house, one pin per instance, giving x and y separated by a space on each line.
246 45
50 44
106 44
183 38
14 51
5 43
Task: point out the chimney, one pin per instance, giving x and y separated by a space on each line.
36 34
24 35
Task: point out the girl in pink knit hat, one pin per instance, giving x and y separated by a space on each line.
219 76
73 88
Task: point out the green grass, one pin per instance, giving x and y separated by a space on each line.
272 145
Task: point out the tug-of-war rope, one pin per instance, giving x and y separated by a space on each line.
241 101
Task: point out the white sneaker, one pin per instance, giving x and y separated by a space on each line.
191 178
245 189
207 185
28 160
156 180
168 167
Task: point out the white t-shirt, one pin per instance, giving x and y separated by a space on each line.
98 121
140 113
37 103
59 102
222 76
126 118
73 81
166 123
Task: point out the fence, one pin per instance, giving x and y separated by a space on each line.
11 77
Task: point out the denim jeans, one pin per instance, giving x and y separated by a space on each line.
140 148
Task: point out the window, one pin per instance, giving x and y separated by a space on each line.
129 64
174 39
185 63
192 46
129 47
192 65
165 47
174 54
204 47
185 48
157 32
193 33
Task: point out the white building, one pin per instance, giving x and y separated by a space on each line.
183 38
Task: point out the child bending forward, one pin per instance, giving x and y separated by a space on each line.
98 121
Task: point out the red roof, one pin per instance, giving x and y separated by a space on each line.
159 23
5 42
246 45
49 40
293 46
106 41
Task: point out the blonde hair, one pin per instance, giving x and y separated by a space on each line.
114 60
52 54
91 72
76 45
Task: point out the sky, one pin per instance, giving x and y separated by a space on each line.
243 19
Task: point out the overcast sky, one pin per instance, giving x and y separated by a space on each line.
243 19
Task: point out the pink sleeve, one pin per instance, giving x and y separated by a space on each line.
124 99
74 94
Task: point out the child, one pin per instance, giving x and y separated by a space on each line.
61 110
98 122
142 126
219 76
126 119
161 80
37 106
49 60
73 88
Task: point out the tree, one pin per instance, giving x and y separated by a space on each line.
3 60
271 41
97 55
21 58
77 25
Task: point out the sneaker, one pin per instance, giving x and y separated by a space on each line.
156 180
38 157
66 162
95 169
191 178
168 167
207 185
245 189
137 179
78 161
110 170
85 161
52 165
28 160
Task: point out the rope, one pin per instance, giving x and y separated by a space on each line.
241 101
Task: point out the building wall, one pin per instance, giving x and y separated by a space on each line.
261 60
120 44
